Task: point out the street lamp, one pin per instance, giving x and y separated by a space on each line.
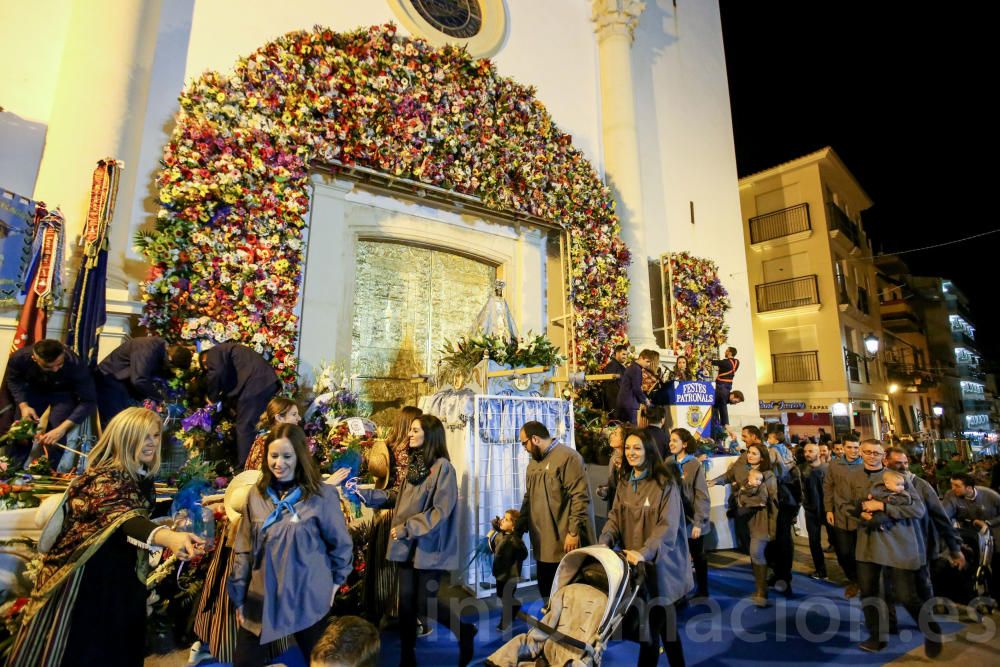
871 346
938 410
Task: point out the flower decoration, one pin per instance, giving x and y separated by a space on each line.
525 352
227 249
699 307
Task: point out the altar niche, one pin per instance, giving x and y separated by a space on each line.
390 274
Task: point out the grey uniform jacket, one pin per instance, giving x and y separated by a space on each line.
284 578
557 502
942 538
901 544
985 506
841 486
697 504
650 519
425 520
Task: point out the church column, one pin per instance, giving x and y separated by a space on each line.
99 111
615 22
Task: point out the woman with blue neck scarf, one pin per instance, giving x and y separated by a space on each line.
647 523
292 551
697 505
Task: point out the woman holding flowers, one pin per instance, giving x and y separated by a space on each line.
292 551
90 587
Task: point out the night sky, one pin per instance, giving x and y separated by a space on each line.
901 92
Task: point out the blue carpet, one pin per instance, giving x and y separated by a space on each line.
816 626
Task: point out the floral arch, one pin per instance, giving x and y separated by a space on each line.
226 250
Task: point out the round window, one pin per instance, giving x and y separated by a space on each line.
455 18
478 25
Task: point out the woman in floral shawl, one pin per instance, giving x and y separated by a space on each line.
89 602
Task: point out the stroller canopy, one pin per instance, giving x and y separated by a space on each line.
614 567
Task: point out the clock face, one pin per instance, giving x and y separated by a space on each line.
456 18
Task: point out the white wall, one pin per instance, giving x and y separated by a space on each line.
688 155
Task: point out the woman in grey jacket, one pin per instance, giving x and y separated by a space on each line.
647 522
697 505
424 535
292 551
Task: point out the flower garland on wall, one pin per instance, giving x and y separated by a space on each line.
226 251
700 303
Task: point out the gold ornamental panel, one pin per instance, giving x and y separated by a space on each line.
408 300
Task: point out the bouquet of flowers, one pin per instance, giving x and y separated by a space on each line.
525 352
21 430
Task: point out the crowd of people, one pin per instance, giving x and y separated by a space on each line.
276 570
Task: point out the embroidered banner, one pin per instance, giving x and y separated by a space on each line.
691 406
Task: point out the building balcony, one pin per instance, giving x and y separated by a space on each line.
841 226
964 339
970 371
788 224
864 301
796 294
909 377
795 366
898 316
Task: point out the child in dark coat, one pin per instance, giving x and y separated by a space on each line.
509 553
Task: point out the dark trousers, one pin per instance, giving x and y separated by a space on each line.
62 405
781 551
656 624
249 652
418 597
248 412
507 592
905 590
112 397
814 527
844 544
697 549
722 390
546 573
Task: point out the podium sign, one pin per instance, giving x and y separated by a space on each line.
691 406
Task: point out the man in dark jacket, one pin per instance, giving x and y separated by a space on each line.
727 366
812 472
656 415
236 374
615 366
630 394
47 375
134 371
556 511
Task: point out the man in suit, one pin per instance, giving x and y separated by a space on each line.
656 415
44 376
134 371
630 394
615 366
238 375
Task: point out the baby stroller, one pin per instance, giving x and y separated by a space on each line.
984 602
592 591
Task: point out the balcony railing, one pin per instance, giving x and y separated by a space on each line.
839 222
795 366
964 338
790 293
776 224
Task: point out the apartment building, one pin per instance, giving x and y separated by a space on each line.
951 337
912 373
816 320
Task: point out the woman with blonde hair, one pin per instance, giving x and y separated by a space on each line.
90 586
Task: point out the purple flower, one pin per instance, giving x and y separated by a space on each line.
201 418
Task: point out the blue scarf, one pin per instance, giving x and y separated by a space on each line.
858 461
635 479
281 504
